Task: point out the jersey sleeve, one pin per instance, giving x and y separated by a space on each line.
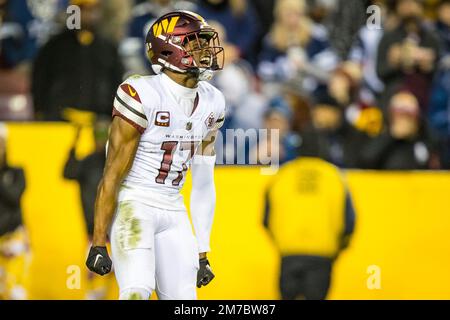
128 106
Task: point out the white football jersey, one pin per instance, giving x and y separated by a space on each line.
173 121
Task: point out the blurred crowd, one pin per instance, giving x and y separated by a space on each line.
359 83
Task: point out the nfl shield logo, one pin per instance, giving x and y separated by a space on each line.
189 126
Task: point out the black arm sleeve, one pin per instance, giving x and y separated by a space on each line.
72 167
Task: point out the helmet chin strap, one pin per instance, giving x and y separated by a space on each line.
205 74
202 74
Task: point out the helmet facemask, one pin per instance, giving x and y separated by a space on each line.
202 52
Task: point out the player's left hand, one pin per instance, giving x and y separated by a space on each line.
204 274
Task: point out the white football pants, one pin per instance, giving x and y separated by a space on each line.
153 249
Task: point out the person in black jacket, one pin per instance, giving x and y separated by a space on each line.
76 69
88 172
408 55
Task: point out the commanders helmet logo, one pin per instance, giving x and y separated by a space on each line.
165 26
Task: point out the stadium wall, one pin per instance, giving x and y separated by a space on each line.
402 231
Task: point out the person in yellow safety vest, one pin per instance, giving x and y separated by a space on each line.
310 216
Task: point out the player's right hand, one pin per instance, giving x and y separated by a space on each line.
98 260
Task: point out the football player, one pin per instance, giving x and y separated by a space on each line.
162 125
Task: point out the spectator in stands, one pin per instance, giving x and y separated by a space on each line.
439 109
280 138
116 16
442 25
17 44
346 86
406 144
407 55
76 69
344 83
13 238
264 11
320 11
364 52
346 20
292 52
310 216
24 26
330 136
238 84
240 22
299 104
88 172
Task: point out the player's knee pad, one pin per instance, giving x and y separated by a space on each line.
134 294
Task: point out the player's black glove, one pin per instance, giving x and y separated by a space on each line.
204 274
98 260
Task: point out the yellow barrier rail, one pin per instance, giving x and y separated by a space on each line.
402 231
